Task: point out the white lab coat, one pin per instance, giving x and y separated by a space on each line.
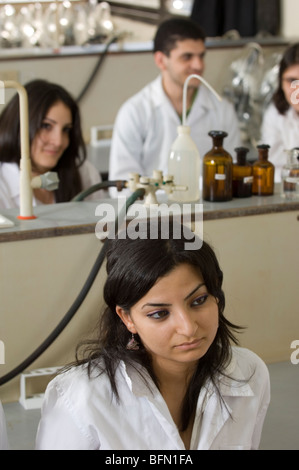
146 127
3 433
10 182
80 413
281 132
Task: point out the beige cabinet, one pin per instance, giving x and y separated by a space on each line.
259 256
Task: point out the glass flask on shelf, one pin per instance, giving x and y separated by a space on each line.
242 174
217 171
290 175
263 173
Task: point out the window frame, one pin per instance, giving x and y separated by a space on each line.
140 13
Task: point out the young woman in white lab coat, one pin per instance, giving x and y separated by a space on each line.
161 373
280 126
56 144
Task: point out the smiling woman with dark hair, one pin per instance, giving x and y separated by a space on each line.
280 126
56 144
160 373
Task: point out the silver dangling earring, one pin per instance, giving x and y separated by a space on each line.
132 344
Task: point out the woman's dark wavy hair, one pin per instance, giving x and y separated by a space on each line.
42 95
133 267
289 58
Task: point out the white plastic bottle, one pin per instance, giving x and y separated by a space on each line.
184 166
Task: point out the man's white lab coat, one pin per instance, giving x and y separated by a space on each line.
146 126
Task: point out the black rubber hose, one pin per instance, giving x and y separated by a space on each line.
120 184
78 301
96 68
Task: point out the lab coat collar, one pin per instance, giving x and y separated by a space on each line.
215 412
227 386
211 412
135 381
204 100
158 94
203 103
158 406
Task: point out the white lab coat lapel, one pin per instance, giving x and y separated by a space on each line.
156 402
216 411
213 419
161 411
211 412
202 104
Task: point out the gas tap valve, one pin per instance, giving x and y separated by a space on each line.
49 181
153 184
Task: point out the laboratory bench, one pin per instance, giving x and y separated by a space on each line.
45 262
80 217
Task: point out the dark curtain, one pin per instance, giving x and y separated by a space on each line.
248 17
268 16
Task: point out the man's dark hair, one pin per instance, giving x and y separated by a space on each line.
173 30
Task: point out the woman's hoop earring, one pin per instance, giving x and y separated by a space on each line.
132 344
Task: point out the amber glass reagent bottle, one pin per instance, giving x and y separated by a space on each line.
242 174
263 173
217 171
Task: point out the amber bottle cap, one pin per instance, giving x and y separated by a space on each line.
221 134
218 137
263 146
263 151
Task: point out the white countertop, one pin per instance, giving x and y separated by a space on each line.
82 217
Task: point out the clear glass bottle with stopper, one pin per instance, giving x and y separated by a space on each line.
263 173
217 171
242 174
290 175
184 159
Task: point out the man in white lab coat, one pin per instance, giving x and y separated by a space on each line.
146 124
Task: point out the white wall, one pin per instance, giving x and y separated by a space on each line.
289 19
122 75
